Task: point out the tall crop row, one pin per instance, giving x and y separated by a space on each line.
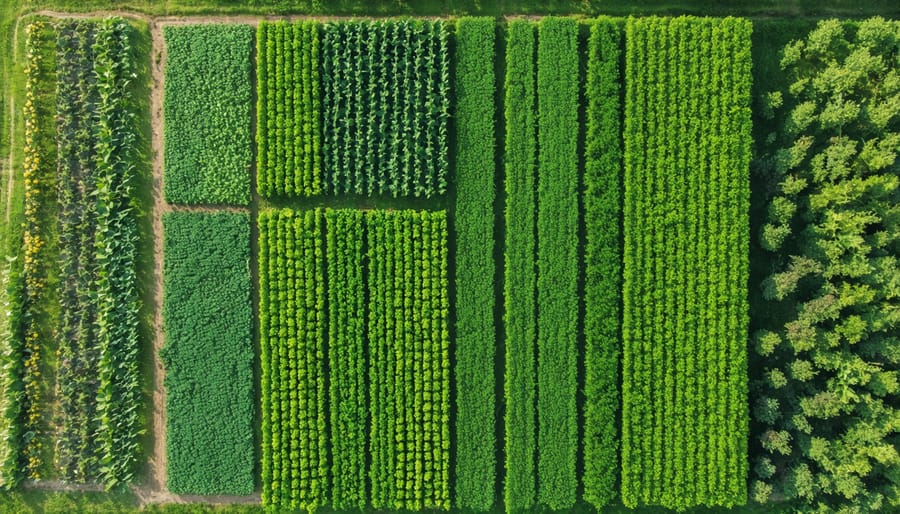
602 215
207 111
557 257
288 132
38 244
684 414
409 364
385 105
208 355
520 272
346 356
474 226
119 393
293 331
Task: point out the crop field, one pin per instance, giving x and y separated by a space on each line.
453 262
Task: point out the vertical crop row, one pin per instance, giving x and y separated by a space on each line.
557 257
602 261
684 418
474 226
346 356
293 328
77 371
520 273
409 359
288 108
115 241
385 106
39 164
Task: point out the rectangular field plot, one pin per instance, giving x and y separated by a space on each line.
374 388
207 114
208 354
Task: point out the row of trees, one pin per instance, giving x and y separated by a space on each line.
687 150
209 353
207 111
409 365
288 134
293 330
825 373
385 107
474 230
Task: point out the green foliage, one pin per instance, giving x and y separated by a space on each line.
346 356
207 114
602 261
385 106
687 152
293 331
474 225
828 433
557 257
209 353
288 131
119 393
520 273
409 360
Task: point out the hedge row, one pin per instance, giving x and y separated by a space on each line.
293 329
684 412
474 227
557 259
209 353
602 261
207 114
520 273
385 107
409 363
288 132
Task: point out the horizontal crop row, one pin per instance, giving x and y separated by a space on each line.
360 366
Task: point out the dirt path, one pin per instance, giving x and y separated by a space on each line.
11 168
157 460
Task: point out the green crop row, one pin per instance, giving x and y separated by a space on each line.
293 329
557 259
288 127
208 355
602 261
409 371
385 105
474 226
384 316
26 413
520 272
207 112
345 258
684 412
